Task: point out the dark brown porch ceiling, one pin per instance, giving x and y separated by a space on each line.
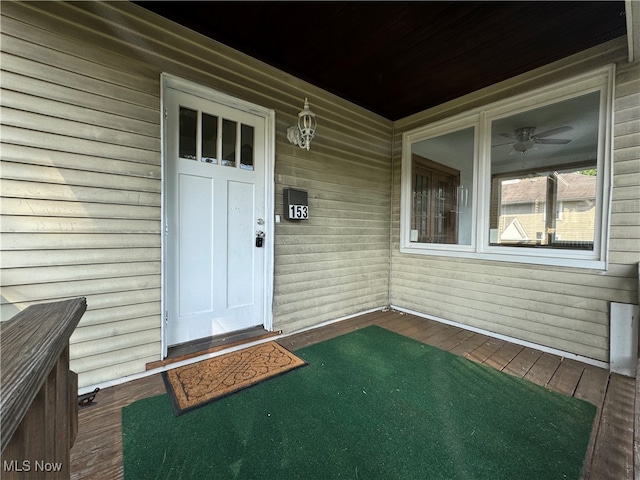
398 58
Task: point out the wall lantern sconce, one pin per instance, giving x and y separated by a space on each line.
302 133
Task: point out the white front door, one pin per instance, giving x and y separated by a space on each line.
215 210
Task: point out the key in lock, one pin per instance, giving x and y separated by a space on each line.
259 238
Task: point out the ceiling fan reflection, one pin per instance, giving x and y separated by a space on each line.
525 138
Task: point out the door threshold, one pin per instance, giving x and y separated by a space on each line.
203 346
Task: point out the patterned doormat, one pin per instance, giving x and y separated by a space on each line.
195 385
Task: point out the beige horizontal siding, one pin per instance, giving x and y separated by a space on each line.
625 208
81 186
83 193
562 308
39 207
25 224
24 275
31 137
81 177
81 115
102 301
116 364
30 293
71 161
70 178
60 126
22 75
101 365
96 321
49 242
26 258
116 328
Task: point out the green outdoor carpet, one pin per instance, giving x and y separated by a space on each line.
371 404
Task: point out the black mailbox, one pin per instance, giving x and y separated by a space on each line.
296 204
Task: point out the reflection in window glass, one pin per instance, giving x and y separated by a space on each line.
543 171
187 134
555 209
576 209
246 149
209 138
442 188
228 143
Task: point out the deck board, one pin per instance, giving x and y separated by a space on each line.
501 358
442 336
486 350
544 368
592 385
430 329
470 344
613 453
567 376
453 341
97 453
522 362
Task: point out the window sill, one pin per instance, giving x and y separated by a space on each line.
539 257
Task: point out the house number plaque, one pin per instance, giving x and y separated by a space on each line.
298 212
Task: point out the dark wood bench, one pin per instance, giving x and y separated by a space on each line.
38 403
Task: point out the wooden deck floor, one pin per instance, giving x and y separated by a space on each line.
97 453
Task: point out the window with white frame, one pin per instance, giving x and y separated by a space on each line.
524 180
442 185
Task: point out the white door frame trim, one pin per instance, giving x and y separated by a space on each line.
269 116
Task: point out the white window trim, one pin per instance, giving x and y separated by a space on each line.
602 80
459 122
